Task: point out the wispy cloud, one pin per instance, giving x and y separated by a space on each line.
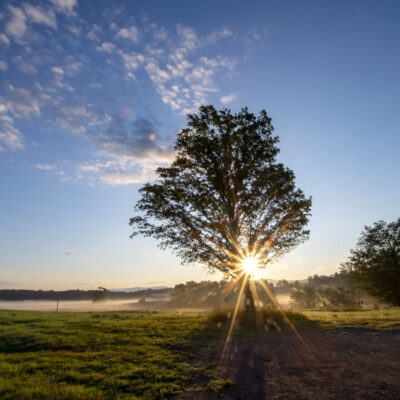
65 6
20 101
4 39
16 26
94 33
20 17
217 35
106 47
230 98
10 136
41 16
24 66
182 66
58 70
131 33
182 79
45 167
119 172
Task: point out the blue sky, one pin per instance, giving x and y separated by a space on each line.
92 94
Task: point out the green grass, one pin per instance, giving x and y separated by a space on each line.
130 355
369 319
265 320
117 355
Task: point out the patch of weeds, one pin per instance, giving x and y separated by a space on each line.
218 384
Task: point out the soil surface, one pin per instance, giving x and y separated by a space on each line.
351 363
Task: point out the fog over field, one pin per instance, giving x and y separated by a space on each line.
85 305
76 306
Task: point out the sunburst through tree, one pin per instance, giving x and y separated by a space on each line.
225 202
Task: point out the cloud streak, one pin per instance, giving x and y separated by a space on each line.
230 98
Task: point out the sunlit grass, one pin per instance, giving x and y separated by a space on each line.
124 355
132 355
371 319
270 320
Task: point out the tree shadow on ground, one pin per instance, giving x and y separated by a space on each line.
309 363
232 356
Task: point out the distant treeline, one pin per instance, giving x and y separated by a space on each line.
103 294
212 294
338 279
337 291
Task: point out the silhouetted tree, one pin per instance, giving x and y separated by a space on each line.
224 195
101 294
375 261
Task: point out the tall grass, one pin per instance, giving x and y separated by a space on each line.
270 319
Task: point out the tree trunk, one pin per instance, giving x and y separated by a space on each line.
249 299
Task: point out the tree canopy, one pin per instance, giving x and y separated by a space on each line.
225 196
375 261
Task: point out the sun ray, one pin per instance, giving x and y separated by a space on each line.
290 323
259 320
233 319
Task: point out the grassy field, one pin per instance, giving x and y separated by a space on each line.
120 355
95 355
368 319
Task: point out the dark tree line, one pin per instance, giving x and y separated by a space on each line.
22 294
223 294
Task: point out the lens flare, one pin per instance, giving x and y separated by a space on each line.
250 266
127 113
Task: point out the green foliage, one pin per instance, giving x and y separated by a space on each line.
124 355
375 262
224 192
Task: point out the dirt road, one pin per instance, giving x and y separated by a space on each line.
338 364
